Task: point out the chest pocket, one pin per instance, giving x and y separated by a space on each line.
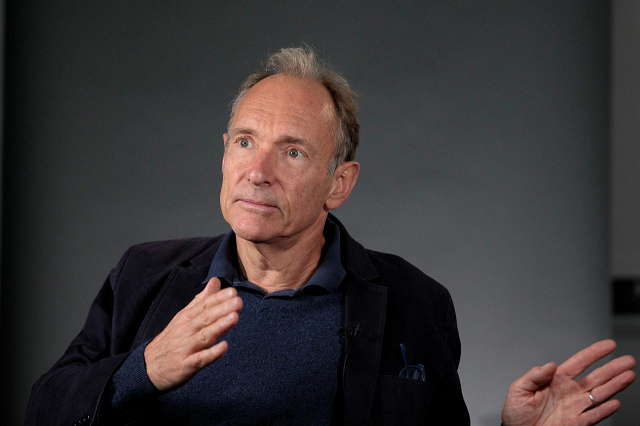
400 401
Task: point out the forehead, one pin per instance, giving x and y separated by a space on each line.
279 104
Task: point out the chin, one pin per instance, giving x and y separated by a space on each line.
251 231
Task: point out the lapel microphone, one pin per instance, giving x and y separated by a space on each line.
347 333
344 331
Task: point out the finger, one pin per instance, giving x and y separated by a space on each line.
535 378
213 313
218 298
608 371
582 360
599 413
206 303
213 286
207 335
205 357
613 386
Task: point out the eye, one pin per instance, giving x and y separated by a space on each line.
295 153
244 143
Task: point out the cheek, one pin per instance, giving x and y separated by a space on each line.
311 195
226 188
230 170
223 188
223 196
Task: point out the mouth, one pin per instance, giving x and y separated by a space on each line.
256 205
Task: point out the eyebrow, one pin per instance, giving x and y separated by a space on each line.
245 130
294 139
284 139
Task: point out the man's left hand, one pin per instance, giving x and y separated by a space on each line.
551 396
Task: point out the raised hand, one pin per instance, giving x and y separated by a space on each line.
551 396
184 347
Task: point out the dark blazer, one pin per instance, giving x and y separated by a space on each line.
387 299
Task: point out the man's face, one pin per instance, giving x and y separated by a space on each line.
275 166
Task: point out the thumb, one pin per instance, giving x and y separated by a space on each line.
537 377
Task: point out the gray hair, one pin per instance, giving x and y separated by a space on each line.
302 62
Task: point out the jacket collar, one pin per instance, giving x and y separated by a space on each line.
355 258
203 260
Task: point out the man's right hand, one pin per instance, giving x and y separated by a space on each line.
184 347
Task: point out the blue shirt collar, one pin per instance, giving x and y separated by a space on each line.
329 274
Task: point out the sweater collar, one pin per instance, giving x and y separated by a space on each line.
328 276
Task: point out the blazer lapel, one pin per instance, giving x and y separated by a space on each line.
181 287
365 310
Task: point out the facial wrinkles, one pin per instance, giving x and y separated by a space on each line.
262 122
272 117
272 121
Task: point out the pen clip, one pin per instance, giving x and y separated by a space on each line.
405 358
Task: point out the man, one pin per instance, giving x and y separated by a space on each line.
315 329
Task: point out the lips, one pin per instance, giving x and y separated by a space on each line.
255 200
257 203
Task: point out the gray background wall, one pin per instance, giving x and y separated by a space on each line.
484 158
625 139
625 179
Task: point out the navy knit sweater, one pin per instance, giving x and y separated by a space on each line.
282 364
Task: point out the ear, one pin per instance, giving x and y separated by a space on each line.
342 182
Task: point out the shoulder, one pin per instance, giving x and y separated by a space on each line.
175 251
400 276
388 270
160 257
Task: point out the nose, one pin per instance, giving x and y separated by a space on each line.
262 170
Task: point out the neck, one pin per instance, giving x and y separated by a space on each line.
281 265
